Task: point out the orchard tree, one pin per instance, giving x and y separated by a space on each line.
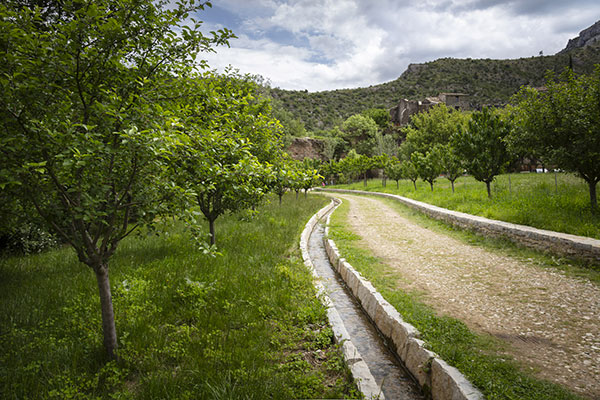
394 170
562 125
482 146
231 141
428 165
451 164
84 128
433 127
381 116
409 171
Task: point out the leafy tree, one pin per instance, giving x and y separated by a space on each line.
360 133
429 165
451 164
362 165
84 128
562 125
394 171
381 116
409 171
231 141
434 127
482 146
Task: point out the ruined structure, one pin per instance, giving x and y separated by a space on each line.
400 115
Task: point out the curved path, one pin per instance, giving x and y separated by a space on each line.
550 321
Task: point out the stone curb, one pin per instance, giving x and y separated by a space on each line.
436 377
360 371
554 242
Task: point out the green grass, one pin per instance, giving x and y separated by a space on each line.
531 199
479 357
243 325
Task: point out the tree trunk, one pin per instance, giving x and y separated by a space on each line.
509 185
397 184
211 227
489 189
555 182
280 196
108 317
593 197
431 185
452 182
305 193
296 194
415 185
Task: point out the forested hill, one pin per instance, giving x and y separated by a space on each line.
486 81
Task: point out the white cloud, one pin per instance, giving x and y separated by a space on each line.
351 43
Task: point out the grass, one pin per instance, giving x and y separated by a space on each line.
243 325
479 357
530 199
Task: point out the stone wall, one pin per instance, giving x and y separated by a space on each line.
563 244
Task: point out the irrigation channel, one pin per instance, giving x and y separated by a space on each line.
389 373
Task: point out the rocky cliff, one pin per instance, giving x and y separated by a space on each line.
589 36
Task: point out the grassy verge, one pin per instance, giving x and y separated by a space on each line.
530 199
242 325
479 357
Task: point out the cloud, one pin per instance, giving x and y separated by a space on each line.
327 44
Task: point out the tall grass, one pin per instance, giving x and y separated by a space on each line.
529 199
243 325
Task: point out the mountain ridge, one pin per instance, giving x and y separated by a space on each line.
487 81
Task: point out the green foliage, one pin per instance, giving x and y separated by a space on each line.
429 165
381 116
482 147
84 121
562 125
409 171
190 326
394 170
535 200
230 140
359 131
434 127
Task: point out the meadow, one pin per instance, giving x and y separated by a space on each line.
543 200
244 324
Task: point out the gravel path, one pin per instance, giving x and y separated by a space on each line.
551 321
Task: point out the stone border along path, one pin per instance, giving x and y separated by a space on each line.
435 376
359 369
555 242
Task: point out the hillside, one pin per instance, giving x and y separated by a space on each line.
486 81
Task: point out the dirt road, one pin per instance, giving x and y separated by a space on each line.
550 320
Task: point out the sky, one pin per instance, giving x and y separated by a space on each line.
318 45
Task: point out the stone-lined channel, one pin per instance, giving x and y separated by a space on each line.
390 375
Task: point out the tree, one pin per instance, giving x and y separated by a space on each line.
381 116
409 171
360 133
429 165
434 127
451 164
84 128
231 142
482 146
394 171
563 125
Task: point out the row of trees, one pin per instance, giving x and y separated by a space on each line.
108 123
557 126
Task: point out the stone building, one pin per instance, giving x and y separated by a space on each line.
400 115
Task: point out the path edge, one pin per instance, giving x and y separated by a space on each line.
358 367
564 244
434 375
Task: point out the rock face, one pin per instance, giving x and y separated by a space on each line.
586 37
302 148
